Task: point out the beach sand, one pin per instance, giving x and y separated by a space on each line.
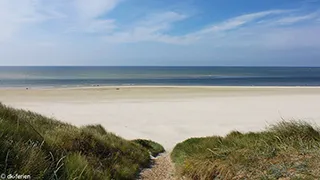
169 115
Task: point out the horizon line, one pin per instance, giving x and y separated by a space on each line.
282 66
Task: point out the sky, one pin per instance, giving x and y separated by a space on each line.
160 32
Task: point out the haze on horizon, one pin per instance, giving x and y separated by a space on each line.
151 32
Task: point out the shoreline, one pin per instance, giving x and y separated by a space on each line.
152 86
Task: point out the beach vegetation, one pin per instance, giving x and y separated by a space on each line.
287 150
45 148
154 148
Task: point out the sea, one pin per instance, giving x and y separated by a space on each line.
48 77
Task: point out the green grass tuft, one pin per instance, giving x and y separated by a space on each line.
285 150
49 149
154 148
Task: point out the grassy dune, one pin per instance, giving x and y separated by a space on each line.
45 148
288 150
49 149
154 148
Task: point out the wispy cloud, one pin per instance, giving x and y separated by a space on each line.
239 21
151 28
73 16
256 29
155 27
61 27
295 19
88 16
263 30
92 26
15 14
81 16
94 8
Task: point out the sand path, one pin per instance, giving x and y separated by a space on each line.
162 169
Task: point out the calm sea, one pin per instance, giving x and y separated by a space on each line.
194 76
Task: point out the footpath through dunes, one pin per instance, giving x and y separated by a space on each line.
162 169
45 148
286 150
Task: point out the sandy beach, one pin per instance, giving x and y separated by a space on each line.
170 115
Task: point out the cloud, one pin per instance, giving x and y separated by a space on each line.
163 18
72 16
89 16
154 28
79 16
238 21
93 26
77 31
256 30
94 8
295 19
151 28
15 14
264 30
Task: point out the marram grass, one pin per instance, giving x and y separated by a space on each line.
45 148
49 149
154 148
287 150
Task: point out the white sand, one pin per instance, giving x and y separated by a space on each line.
170 115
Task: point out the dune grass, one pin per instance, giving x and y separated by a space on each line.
49 149
154 148
288 150
45 148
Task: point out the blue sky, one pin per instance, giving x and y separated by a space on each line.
160 32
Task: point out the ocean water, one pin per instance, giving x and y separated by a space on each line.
181 76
